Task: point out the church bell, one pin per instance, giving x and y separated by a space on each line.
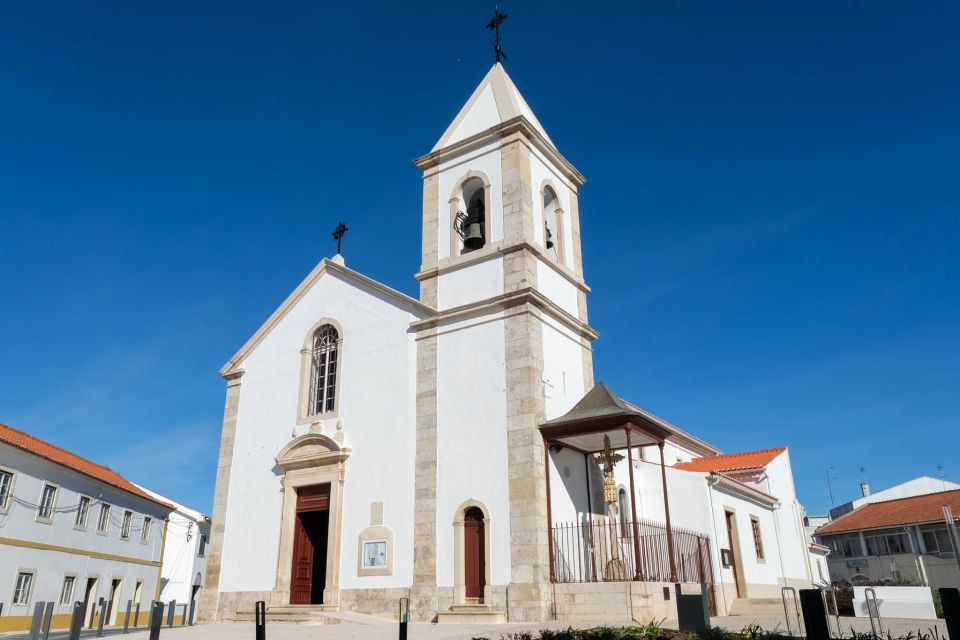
473 236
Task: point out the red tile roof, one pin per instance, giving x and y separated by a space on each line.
732 461
38 447
893 513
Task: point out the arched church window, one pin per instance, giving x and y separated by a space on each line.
471 225
622 508
323 370
552 225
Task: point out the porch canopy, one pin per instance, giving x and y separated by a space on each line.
599 414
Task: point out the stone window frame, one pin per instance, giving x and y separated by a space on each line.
82 526
145 526
459 579
30 588
106 525
456 195
304 416
73 589
4 508
375 533
560 240
126 524
53 502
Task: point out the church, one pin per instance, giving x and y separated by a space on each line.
455 449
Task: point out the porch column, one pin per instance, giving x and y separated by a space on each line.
637 559
546 472
666 511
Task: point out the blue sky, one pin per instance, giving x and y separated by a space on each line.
769 223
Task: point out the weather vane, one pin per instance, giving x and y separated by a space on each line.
338 234
498 19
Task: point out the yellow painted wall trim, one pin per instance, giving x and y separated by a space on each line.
29 544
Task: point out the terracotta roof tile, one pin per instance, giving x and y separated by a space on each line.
732 461
38 447
892 513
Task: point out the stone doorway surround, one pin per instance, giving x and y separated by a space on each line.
459 573
310 459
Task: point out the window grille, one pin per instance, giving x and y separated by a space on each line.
757 540
145 532
323 377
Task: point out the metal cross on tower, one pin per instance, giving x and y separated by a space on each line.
494 24
338 234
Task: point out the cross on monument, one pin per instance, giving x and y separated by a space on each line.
607 458
494 24
338 234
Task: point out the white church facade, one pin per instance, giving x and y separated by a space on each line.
378 447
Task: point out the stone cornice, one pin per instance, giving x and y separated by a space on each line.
498 251
527 295
515 125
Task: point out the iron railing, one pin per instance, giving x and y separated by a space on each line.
602 550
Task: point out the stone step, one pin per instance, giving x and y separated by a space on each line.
471 614
302 614
756 606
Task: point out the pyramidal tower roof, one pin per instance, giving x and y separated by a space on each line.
495 101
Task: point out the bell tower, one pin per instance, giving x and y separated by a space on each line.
508 348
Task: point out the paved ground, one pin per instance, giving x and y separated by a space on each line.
369 628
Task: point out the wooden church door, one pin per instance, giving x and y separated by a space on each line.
310 545
474 547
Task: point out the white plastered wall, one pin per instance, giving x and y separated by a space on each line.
376 409
472 438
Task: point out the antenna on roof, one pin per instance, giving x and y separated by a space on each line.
494 24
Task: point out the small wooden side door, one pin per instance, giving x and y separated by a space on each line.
733 552
473 552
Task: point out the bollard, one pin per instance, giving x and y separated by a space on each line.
171 611
47 621
404 617
193 605
183 620
76 620
260 618
950 602
814 614
103 617
126 618
37 621
156 620
136 617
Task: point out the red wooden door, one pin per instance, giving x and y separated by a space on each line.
733 553
302 580
473 551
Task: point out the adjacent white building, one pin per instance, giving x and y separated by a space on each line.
72 530
445 449
184 555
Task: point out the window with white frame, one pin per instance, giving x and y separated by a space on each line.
323 370
6 488
48 499
66 591
103 522
83 512
125 524
22 588
145 531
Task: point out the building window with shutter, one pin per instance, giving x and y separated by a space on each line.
103 523
145 532
125 524
83 512
66 591
6 489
